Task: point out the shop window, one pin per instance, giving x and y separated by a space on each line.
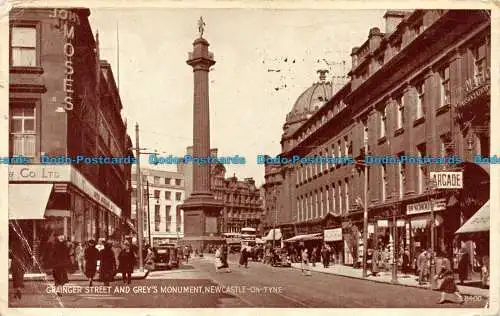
22 130
23 46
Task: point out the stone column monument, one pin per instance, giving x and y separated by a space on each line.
201 209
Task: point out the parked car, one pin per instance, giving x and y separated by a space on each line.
281 258
166 256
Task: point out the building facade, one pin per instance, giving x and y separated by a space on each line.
163 192
413 93
64 104
242 201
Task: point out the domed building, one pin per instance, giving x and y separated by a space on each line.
306 105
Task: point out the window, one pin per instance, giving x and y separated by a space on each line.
23 46
157 218
327 155
178 219
327 192
157 194
346 146
156 180
178 196
421 169
445 86
340 148
401 112
177 181
304 207
480 67
396 47
417 29
321 208
420 100
365 134
168 195
383 177
401 176
483 140
382 120
340 197
167 181
22 131
168 218
347 195
444 141
134 192
144 179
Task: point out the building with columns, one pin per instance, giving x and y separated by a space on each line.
419 88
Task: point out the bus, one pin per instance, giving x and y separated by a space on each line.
233 241
248 236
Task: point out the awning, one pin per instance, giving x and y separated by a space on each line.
276 235
479 222
29 200
316 236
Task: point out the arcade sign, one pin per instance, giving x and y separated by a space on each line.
447 180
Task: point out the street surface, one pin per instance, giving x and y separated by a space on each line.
197 284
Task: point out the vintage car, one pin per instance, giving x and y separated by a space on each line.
281 258
166 256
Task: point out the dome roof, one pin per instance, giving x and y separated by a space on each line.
314 97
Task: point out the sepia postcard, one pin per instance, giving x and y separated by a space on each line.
287 156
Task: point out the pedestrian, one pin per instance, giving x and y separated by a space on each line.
20 256
406 261
80 257
127 261
61 261
224 255
375 261
91 255
117 249
448 285
463 264
243 256
71 250
314 254
324 256
305 263
108 264
218 259
422 261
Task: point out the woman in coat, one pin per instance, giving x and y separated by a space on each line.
127 262
91 255
243 256
448 285
61 262
463 265
108 264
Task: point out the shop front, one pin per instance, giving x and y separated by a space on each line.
46 201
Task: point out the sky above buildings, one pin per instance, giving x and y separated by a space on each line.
264 60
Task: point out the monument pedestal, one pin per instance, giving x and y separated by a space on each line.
201 214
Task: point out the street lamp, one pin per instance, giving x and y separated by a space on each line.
365 169
394 244
430 188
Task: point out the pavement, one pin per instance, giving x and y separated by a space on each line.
386 277
78 276
198 284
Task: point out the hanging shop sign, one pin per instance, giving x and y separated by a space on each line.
476 87
425 206
447 180
333 234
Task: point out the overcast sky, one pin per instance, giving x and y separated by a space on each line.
248 98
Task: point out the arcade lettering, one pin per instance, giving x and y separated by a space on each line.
67 19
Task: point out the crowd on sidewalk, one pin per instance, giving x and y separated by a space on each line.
106 256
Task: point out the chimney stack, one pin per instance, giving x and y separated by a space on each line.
392 19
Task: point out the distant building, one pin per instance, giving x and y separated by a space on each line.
166 191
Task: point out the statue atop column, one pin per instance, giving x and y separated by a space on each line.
201 26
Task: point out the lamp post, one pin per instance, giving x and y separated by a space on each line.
394 244
364 204
149 215
433 282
